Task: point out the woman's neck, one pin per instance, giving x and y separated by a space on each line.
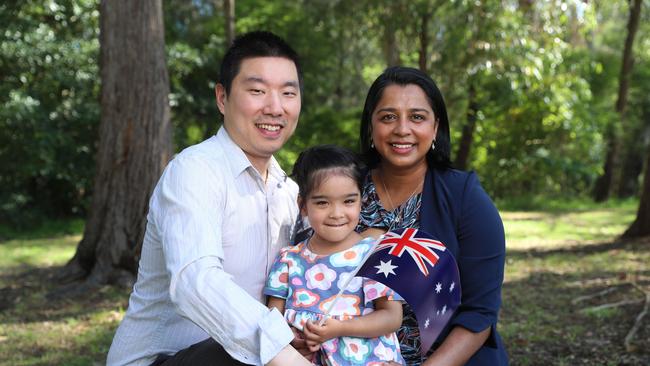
395 185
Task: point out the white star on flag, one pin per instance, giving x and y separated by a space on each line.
386 268
438 312
444 309
451 288
438 287
426 323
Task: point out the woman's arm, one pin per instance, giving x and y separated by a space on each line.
458 347
386 318
481 257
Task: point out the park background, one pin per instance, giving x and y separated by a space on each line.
549 101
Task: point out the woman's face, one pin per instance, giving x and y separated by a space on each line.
403 126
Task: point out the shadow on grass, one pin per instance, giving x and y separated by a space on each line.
637 245
42 230
27 297
543 324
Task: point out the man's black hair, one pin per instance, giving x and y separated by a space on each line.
255 44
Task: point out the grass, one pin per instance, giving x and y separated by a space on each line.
554 256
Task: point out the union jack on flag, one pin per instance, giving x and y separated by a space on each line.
427 278
420 249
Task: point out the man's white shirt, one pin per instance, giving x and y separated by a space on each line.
213 230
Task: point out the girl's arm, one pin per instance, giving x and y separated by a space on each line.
276 302
386 318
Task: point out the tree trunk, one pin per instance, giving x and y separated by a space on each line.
604 182
631 169
604 185
424 41
229 10
641 225
462 156
390 47
134 141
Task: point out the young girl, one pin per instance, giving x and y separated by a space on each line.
305 278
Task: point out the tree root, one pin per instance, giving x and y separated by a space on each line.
629 338
610 305
591 296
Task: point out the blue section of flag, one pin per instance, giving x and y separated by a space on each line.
423 272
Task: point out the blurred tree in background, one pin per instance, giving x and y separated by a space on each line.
531 86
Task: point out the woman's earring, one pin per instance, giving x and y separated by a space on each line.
433 145
372 144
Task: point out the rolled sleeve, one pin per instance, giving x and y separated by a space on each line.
481 261
274 335
246 329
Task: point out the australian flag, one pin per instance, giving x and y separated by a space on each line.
423 272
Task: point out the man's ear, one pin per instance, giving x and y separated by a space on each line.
220 93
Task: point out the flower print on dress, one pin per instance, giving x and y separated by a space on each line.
305 298
384 353
354 285
346 306
350 257
278 280
373 290
320 277
355 350
308 255
294 265
389 339
330 346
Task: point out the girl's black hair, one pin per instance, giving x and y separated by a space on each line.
403 76
316 163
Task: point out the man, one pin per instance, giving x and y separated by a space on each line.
217 218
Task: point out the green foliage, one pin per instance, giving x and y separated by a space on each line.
545 76
48 107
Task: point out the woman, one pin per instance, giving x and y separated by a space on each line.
405 142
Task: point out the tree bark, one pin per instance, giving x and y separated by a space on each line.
631 169
424 41
390 47
467 137
605 183
134 141
229 10
641 225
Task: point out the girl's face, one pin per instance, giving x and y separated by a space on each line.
403 126
333 210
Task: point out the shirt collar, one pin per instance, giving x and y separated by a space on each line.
237 160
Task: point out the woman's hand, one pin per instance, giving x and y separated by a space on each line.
317 334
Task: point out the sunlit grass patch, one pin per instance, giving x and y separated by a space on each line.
38 252
38 330
549 230
552 260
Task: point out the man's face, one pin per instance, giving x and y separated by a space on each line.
261 111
